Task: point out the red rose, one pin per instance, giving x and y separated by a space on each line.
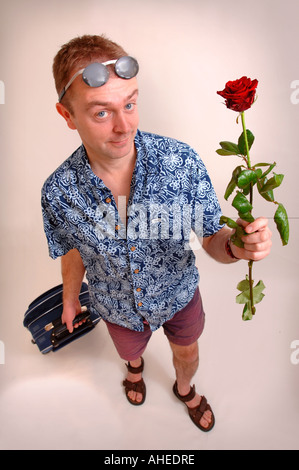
239 94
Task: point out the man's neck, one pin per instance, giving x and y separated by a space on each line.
116 174
103 165
113 167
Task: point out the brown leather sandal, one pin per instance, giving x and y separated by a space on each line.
197 412
138 387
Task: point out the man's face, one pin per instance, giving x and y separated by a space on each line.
106 118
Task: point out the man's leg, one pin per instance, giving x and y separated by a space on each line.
185 361
130 346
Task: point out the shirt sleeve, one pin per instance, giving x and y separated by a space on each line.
206 207
57 234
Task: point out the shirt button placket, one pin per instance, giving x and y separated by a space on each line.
138 290
136 271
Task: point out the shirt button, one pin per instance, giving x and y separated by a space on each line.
136 271
108 200
117 227
133 248
139 304
138 289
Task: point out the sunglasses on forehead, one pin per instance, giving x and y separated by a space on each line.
97 74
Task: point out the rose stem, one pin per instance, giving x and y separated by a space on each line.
250 263
246 140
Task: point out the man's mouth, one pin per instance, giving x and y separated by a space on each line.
120 142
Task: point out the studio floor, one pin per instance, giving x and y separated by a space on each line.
73 399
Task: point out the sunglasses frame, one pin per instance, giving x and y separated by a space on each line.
85 79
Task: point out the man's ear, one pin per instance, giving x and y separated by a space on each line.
66 115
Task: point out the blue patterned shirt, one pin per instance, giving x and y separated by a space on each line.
142 268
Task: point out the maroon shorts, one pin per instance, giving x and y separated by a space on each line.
183 329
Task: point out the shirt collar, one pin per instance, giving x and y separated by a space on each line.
146 160
146 163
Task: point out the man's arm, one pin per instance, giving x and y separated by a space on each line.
257 243
72 270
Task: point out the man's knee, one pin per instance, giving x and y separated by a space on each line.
185 353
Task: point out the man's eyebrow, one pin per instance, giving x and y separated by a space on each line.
135 92
94 103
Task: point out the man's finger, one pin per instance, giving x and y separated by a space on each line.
258 224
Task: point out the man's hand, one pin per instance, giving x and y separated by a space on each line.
257 243
68 315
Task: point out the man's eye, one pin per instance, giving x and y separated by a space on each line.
130 106
102 114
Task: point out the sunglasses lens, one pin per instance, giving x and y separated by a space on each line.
126 67
95 75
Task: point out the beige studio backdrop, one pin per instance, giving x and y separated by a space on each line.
249 371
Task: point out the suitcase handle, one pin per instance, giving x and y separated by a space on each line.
60 334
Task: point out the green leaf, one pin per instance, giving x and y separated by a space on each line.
239 231
247 216
282 223
263 182
241 203
224 152
269 169
271 184
247 312
230 188
244 297
258 173
230 222
263 164
236 237
243 285
269 196
230 147
241 142
236 240
233 182
257 291
246 177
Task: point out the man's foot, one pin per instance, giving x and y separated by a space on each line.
206 419
134 384
199 410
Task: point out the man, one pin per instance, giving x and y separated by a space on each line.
122 208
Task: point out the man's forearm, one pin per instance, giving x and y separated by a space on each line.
72 270
215 246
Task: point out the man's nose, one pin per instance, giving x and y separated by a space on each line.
121 123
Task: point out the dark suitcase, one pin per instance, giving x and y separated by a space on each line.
43 320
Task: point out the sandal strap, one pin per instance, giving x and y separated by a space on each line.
197 412
202 407
135 370
138 387
187 397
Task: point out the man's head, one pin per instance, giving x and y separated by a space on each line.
106 117
77 54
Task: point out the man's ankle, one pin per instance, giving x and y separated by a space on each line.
183 389
135 362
